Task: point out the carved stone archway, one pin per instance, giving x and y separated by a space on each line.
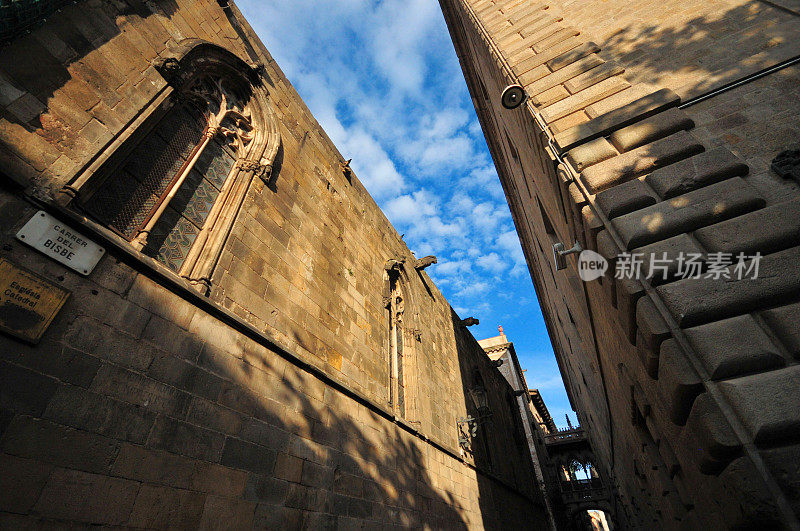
230 95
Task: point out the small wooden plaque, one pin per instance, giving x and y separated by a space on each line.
28 302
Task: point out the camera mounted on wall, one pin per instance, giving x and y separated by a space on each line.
513 96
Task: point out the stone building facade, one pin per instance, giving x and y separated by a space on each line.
257 347
501 351
651 127
558 455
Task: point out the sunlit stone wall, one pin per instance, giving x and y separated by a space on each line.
264 402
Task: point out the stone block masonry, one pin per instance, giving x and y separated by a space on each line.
259 395
687 386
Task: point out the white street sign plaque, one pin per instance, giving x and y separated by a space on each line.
49 236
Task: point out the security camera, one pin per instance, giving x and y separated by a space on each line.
513 96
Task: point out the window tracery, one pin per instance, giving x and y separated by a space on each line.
396 369
175 191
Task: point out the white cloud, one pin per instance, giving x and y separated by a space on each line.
453 267
509 242
398 39
383 82
491 262
410 207
474 288
372 164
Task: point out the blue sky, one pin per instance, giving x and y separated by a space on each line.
383 80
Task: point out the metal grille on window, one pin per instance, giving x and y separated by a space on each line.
128 198
172 237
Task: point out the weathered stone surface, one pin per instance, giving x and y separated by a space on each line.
571 56
592 225
21 483
560 36
542 58
161 507
747 502
641 160
238 514
698 301
708 436
550 96
88 411
581 99
288 467
687 212
620 99
734 346
92 498
767 403
695 172
539 30
783 321
32 438
783 463
661 261
650 129
593 76
620 116
570 120
678 381
185 439
625 198
24 391
746 234
628 292
591 153
653 330
562 75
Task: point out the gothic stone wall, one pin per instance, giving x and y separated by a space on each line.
688 387
146 404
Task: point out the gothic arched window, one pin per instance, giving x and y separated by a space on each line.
165 191
174 183
397 387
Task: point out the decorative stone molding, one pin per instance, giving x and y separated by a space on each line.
230 94
394 265
787 164
345 168
169 69
422 263
259 169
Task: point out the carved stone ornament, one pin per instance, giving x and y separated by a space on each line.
787 164
259 169
227 115
393 265
345 168
470 321
169 69
422 263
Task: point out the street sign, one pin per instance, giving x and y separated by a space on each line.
63 244
28 302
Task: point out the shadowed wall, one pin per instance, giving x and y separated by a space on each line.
266 403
